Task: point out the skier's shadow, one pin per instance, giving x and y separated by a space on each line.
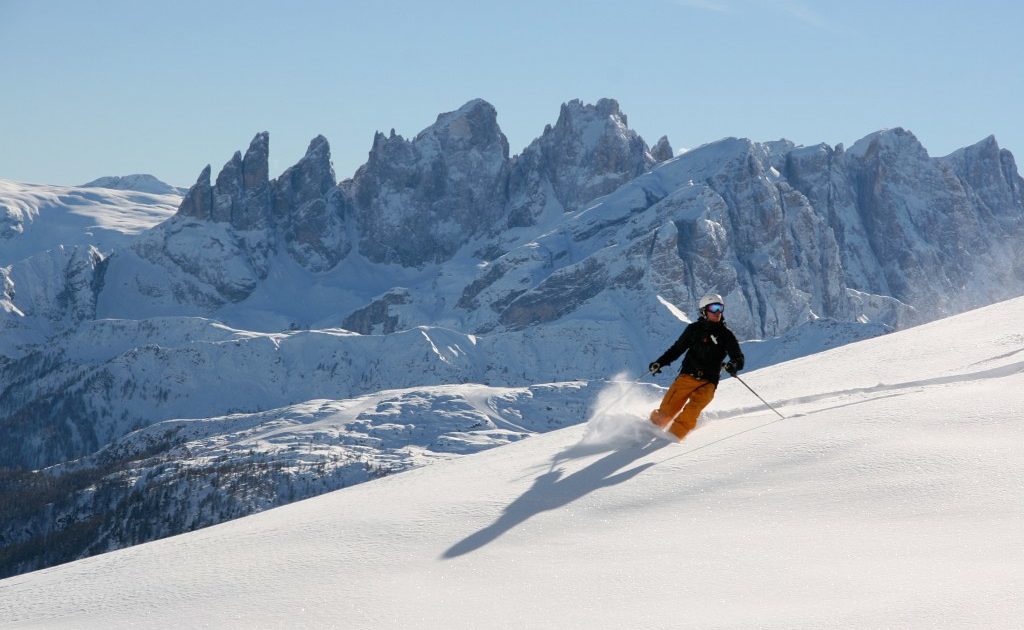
550 491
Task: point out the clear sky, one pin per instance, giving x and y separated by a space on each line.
111 87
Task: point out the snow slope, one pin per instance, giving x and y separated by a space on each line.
142 182
891 496
35 217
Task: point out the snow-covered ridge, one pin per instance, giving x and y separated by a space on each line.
139 182
120 375
888 496
35 218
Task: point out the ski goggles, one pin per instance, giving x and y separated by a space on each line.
715 308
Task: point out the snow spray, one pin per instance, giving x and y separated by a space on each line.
620 413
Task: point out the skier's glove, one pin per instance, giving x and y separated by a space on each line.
654 368
731 368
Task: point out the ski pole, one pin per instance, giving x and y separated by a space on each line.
758 396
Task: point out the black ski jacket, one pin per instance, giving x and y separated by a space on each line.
706 344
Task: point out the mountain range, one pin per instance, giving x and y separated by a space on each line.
207 345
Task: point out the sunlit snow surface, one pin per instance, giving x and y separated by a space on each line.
891 496
36 217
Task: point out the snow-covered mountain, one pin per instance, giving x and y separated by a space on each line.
54 242
110 377
447 229
444 261
140 182
35 218
889 497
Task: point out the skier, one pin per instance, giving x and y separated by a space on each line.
706 342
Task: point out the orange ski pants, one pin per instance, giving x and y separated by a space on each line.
688 394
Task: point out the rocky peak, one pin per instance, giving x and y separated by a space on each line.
198 201
721 158
251 206
575 113
255 164
589 126
228 189
418 201
241 195
777 152
980 158
474 125
245 219
386 151
888 144
311 177
911 217
990 173
319 149
810 171
311 209
662 150
589 152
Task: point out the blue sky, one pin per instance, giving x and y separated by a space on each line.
113 87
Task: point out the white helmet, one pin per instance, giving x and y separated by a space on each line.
710 298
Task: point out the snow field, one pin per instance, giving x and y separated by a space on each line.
39 217
891 496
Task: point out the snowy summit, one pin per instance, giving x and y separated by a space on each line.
139 182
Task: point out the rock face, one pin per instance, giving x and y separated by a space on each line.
376 318
242 194
589 152
990 177
417 201
311 210
881 232
198 202
918 229
995 190
220 244
55 290
662 150
60 285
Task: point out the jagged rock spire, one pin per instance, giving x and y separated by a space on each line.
311 209
662 150
198 202
241 195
